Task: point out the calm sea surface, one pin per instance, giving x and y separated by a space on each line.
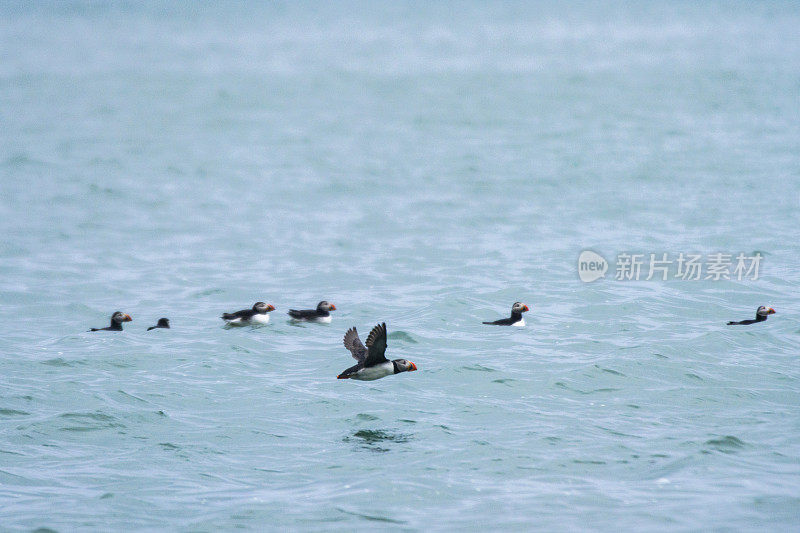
421 164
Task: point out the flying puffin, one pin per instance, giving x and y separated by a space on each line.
761 315
162 323
116 322
321 314
246 317
516 316
372 362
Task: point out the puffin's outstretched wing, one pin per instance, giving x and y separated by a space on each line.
376 346
353 343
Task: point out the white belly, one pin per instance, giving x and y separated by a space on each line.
254 320
520 323
375 372
318 319
260 319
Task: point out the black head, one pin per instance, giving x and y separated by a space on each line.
163 323
519 307
325 306
401 365
262 308
119 317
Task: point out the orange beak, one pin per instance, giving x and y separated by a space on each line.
771 311
525 309
340 376
270 307
413 366
333 307
128 318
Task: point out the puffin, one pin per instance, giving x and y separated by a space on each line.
372 362
761 315
116 322
162 323
246 317
321 314
516 316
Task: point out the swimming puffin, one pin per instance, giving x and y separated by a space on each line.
116 322
761 315
516 316
321 314
162 323
372 362
246 317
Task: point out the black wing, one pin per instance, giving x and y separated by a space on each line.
304 313
501 322
353 343
244 313
376 346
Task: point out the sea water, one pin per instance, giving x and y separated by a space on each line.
422 164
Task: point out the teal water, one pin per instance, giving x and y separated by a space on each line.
423 165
